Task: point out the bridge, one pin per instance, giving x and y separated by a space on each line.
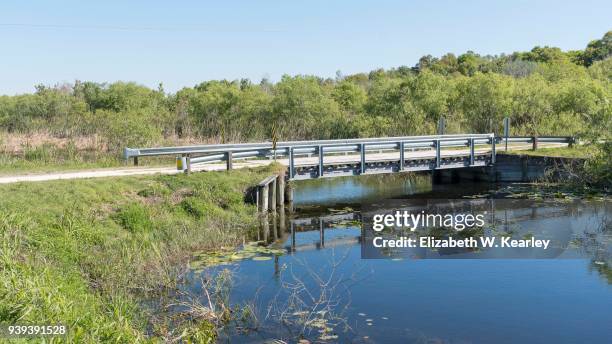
331 158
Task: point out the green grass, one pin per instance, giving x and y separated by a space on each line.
578 151
86 252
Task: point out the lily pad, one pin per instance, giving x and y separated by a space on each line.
252 250
262 258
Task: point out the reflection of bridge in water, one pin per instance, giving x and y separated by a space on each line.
277 228
510 217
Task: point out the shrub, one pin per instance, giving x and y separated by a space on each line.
135 217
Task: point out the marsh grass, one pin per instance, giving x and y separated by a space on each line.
86 252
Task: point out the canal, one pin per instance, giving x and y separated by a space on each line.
305 279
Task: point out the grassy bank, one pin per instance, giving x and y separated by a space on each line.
578 151
84 252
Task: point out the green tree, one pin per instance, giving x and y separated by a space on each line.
598 50
301 106
350 97
485 99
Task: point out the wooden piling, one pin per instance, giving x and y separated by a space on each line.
264 197
266 194
282 225
288 193
265 228
272 200
280 192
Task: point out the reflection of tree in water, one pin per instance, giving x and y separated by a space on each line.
594 243
312 301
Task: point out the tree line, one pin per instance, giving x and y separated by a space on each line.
543 91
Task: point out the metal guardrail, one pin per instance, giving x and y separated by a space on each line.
291 149
212 148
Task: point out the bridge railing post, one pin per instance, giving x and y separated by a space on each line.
401 149
362 153
493 153
320 150
534 141
291 163
438 155
228 160
472 155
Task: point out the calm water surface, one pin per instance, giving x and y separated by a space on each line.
322 290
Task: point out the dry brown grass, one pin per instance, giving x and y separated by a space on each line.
15 143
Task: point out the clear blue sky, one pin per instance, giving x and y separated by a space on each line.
181 43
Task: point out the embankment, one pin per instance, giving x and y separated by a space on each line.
85 253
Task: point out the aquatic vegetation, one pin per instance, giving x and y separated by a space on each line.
538 191
345 224
254 250
344 210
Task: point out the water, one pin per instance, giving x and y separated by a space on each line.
323 291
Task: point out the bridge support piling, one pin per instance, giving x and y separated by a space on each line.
282 225
266 227
272 196
289 195
263 193
280 192
275 228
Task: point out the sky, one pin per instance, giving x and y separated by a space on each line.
181 43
